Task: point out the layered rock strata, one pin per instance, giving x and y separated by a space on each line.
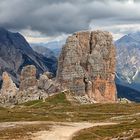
87 65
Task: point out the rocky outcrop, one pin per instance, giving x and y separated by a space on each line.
32 88
47 84
9 89
28 85
16 53
28 78
87 65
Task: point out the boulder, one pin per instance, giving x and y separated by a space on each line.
47 84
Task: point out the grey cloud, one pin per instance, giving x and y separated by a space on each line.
54 17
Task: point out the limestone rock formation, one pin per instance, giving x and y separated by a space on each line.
9 89
47 84
28 89
87 65
32 88
16 53
28 78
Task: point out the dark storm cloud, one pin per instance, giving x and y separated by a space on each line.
53 17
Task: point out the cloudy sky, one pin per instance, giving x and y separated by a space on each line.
46 20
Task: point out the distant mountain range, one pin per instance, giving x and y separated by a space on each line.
48 53
128 64
15 53
128 60
128 93
54 46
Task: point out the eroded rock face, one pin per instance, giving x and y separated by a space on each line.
28 78
47 84
28 89
32 88
87 65
9 89
16 53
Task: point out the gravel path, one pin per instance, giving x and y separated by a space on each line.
65 131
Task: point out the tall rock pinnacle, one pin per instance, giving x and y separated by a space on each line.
8 91
87 65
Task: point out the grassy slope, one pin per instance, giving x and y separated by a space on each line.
102 132
23 132
57 108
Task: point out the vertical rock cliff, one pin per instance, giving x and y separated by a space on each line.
87 65
8 90
28 77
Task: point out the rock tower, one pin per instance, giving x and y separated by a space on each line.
87 65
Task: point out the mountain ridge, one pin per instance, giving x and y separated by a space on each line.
15 53
128 57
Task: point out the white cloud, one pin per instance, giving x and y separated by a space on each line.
37 37
44 20
117 30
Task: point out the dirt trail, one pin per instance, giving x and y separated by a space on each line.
4 125
64 131
57 131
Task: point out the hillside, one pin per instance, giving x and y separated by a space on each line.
54 46
48 53
58 109
128 59
15 53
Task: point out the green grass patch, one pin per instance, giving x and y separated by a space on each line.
107 132
22 131
57 108
32 103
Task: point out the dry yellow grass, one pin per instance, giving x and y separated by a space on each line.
58 109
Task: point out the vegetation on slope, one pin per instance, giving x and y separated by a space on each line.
129 130
57 108
23 132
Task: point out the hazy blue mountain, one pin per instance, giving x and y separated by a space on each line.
126 90
44 51
128 64
128 93
15 53
128 59
54 46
